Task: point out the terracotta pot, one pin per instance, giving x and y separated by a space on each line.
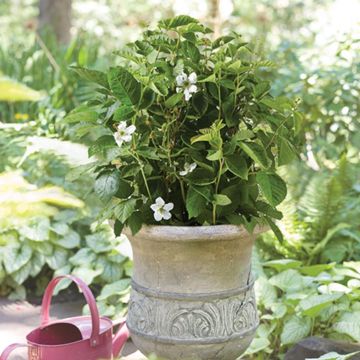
192 292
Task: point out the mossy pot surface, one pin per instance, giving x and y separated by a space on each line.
192 292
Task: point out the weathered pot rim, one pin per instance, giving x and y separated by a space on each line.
195 233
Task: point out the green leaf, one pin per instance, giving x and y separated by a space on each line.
15 258
237 165
334 356
124 190
147 99
173 100
349 324
221 200
177 21
107 185
257 153
23 273
58 259
111 271
257 345
83 257
283 264
272 186
289 280
312 305
125 209
295 329
117 288
261 89
82 114
37 230
92 75
123 113
124 86
286 152
99 242
86 274
268 210
200 103
70 240
192 51
195 203
201 177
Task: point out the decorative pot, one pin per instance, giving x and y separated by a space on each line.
192 292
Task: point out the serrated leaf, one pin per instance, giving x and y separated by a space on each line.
200 103
125 209
124 86
107 185
177 21
123 113
92 75
174 100
237 165
257 153
82 114
221 200
272 186
195 203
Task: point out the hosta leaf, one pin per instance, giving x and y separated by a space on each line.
272 186
11 90
349 324
110 271
23 273
257 153
87 274
257 345
124 86
70 241
295 329
288 280
117 288
312 305
37 230
99 242
58 258
15 258
283 264
237 165
107 185
83 257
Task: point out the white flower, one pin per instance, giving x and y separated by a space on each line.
161 210
186 84
188 168
123 133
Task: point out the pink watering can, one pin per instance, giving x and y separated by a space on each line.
76 338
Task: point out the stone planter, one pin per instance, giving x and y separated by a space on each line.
192 292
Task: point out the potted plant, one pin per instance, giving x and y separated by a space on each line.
189 142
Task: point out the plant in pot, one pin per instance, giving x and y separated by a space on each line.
189 139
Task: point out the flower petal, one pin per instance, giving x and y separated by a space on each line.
183 172
166 215
179 89
192 88
187 95
154 207
160 201
192 167
131 129
122 125
158 216
118 139
192 78
181 78
168 207
127 138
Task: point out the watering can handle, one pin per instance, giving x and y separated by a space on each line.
45 307
5 354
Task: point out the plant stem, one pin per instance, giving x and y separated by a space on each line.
221 163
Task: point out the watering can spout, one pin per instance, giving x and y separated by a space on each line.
120 339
